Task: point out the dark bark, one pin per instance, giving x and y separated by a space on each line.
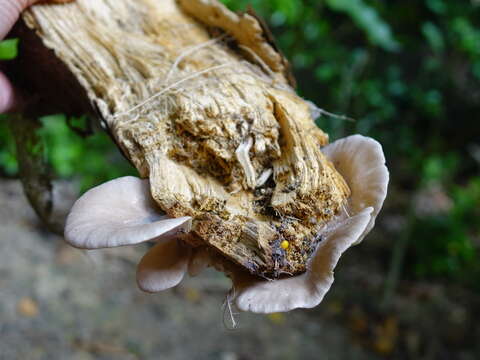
34 171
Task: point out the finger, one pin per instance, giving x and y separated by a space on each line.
6 94
9 12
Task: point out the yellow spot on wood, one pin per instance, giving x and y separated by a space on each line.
285 244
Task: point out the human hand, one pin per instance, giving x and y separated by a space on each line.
10 11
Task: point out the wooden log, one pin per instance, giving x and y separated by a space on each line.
202 103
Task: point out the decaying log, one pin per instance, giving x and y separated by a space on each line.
200 101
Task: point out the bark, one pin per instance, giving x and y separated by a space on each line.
34 171
201 102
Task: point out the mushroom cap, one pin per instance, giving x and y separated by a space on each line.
361 162
117 213
163 266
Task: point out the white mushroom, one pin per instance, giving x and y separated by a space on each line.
122 212
361 162
119 212
164 266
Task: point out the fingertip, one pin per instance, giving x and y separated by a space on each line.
6 94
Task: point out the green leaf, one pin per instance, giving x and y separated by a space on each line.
437 6
468 35
8 49
8 160
434 36
367 18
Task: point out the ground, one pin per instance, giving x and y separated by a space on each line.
57 302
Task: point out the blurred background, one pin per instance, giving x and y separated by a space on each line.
408 73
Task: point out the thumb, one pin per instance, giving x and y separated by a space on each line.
6 94
9 12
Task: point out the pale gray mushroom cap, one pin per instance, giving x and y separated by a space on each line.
117 213
164 266
122 212
361 162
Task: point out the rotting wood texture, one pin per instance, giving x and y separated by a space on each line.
200 102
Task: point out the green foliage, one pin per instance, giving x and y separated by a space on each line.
443 244
293 12
8 49
434 36
467 34
367 19
92 160
439 169
8 160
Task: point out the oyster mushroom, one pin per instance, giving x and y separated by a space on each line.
117 213
202 103
122 212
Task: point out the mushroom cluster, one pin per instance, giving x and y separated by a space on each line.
122 212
